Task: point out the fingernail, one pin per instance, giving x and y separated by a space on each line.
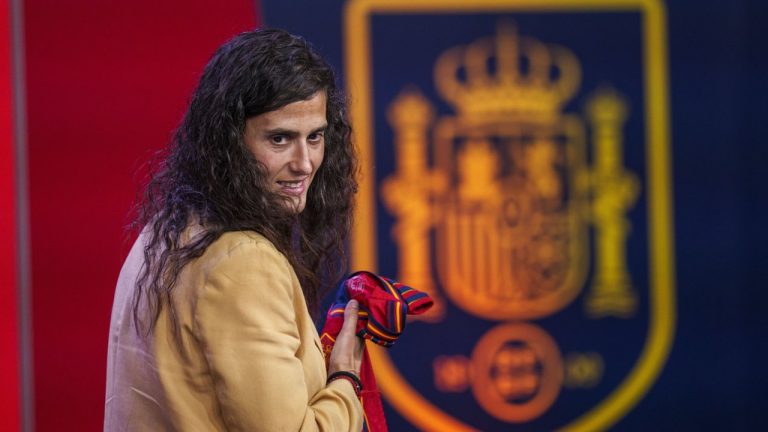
353 304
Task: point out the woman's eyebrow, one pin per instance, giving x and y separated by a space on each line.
321 128
291 132
281 131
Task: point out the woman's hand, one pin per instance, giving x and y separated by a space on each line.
347 352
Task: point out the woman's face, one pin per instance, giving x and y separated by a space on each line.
290 142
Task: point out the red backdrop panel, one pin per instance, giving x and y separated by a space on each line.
106 84
9 342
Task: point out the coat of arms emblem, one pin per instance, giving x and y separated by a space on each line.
512 209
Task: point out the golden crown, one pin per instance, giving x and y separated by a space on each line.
507 78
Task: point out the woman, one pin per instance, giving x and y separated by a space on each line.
244 226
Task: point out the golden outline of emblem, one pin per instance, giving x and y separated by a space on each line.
398 392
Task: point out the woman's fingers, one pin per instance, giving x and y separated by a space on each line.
350 317
348 349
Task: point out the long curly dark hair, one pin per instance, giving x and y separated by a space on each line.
209 178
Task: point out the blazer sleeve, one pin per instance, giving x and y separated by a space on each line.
246 321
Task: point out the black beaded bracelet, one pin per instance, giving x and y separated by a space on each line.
349 376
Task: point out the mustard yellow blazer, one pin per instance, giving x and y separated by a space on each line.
253 357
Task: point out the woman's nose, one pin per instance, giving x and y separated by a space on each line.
300 160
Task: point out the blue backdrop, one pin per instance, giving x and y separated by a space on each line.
714 377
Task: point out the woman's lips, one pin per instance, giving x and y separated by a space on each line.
292 187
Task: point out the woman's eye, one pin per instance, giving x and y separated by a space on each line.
315 137
278 139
